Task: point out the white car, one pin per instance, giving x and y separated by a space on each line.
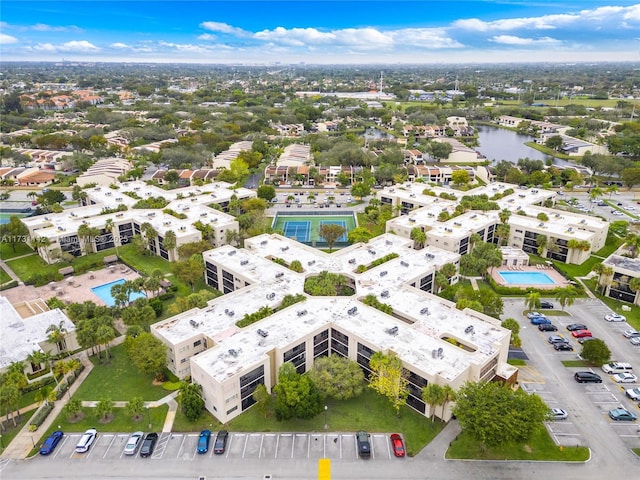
631 208
615 317
635 341
86 440
557 414
633 393
624 378
133 443
631 333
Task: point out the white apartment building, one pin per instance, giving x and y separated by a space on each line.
229 362
186 207
421 210
624 270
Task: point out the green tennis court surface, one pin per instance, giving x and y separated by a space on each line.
305 227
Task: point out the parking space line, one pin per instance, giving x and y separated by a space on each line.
230 439
61 445
109 447
246 439
308 447
260 450
181 445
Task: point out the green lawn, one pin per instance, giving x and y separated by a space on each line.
4 276
516 362
206 421
612 244
119 380
143 263
9 434
373 227
370 412
121 422
577 363
25 267
6 251
540 447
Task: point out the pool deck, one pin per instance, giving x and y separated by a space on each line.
559 280
75 291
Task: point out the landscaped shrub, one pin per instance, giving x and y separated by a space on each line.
8 285
40 416
250 318
30 387
157 305
40 279
166 296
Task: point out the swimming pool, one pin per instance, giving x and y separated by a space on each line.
104 293
526 278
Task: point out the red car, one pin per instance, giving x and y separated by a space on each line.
581 333
398 446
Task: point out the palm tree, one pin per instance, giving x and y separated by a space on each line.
611 190
46 394
84 234
474 239
632 242
533 301
419 237
169 243
32 195
449 396
434 395
566 296
504 215
594 194
634 284
40 244
57 335
104 335
111 227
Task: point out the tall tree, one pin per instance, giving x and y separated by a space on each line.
337 377
264 400
135 408
14 232
387 378
296 395
331 232
148 354
190 399
495 414
533 300
419 237
596 351
566 296
434 395
56 335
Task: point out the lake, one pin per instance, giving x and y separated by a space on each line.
501 144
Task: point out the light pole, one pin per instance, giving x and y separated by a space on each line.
326 425
1 444
149 417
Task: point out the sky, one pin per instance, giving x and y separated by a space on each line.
321 32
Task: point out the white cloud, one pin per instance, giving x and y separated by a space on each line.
79 46
207 36
602 16
6 39
42 27
119 45
431 38
513 40
221 27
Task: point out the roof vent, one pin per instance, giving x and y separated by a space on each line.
231 313
271 296
193 323
385 294
388 242
372 252
232 252
393 331
302 312
263 243
352 260
403 263
284 249
440 353
425 311
469 329
352 311
311 262
263 333
233 353
244 262
383 273
434 353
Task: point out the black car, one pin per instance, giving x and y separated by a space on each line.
576 326
547 327
148 444
563 346
587 377
364 447
545 304
221 442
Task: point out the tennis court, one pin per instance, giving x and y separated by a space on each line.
305 226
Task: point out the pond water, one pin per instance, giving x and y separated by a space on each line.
501 144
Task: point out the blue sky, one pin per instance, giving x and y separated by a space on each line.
372 31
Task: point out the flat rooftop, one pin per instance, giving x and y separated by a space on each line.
631 264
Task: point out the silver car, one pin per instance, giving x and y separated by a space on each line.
133 443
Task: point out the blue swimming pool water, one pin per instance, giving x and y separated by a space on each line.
527 278
104 292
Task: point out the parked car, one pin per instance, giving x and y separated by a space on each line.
364 447
581 333
622 414
617 367
534 314
50 443
148 444
133 443
576 326
557 414
585 339
221 442
561 346
546 305
539 320
87 439
557 339
631 333
633 393
547 327
397 445
634 341
624 378
203 441
587 377
615 317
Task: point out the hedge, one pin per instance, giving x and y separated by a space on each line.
8 285
41 415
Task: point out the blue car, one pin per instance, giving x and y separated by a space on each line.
203 441
539 320
50 443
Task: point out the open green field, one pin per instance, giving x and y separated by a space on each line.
4 276
118 380
6 250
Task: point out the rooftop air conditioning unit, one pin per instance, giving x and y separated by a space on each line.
425 311
393 331
244 262
385 294
263 333
352 311
383 273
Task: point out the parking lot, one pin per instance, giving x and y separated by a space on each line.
588 404
283 446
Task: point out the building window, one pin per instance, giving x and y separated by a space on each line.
363 357
197 343
339 343
321 344
231 410
297 356
248 384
